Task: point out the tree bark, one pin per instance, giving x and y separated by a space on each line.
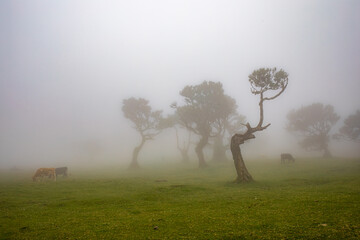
134 162
242 173
199 151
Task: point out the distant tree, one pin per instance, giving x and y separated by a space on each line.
204 104
219 128
313 124
184 147
147 123
351 128
173 121
235 124
226 128
263 80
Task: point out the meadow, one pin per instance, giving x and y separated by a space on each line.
310 199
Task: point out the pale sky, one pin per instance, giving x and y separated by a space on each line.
66 66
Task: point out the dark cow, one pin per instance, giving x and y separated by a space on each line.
61 171
287 157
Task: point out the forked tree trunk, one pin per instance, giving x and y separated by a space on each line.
242 173
199 151
134 162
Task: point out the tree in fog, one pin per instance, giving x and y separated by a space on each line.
146 122
313 124
226 127
182 146
351 128
268 84
204 104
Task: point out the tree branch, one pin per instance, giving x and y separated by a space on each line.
282 90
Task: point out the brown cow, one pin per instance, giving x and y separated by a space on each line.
288 157
44 172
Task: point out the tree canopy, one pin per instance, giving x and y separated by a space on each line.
205 105
313 124
351 128
145 120
265 79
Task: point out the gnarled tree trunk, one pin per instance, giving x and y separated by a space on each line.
242 173
199 151
134 162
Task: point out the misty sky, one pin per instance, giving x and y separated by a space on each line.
66 66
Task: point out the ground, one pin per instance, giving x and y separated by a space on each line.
310 199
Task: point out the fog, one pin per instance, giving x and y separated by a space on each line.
66 66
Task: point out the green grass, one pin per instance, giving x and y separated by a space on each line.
311 199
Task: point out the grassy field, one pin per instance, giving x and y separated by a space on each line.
311 199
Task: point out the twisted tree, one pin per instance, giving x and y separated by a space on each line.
263 80
147 123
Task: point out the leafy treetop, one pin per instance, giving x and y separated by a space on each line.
351 128
265 79
147 122
315 119
204 105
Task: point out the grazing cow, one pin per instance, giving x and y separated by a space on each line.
61 171
44 172
288 157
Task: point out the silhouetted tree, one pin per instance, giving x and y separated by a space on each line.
351 128
262 80
203 105
147 122
313 124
